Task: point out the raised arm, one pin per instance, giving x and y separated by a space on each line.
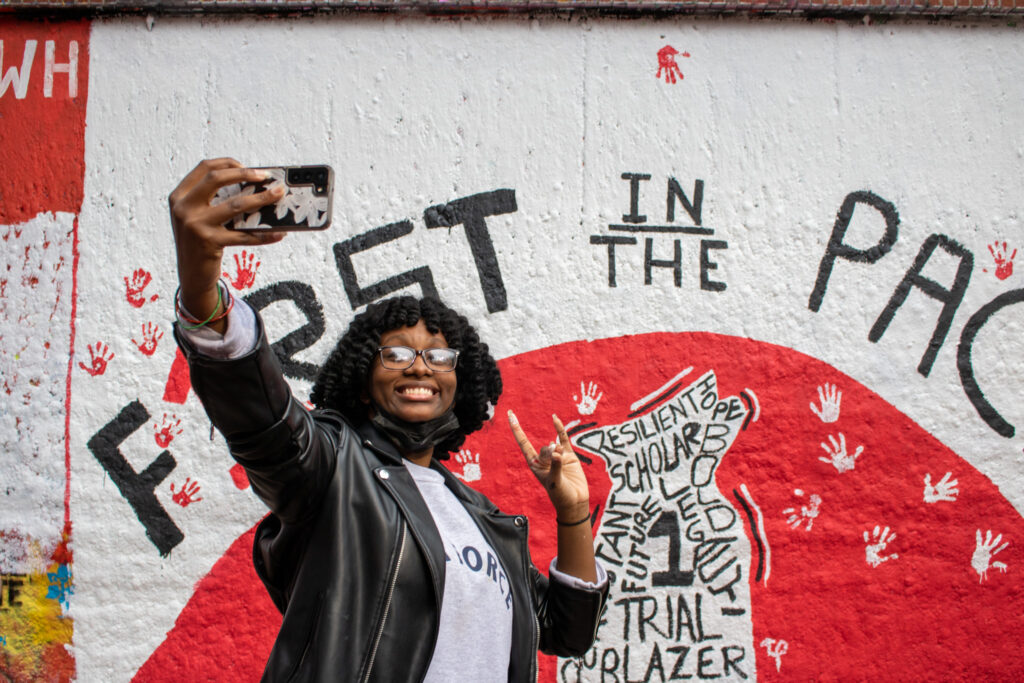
200 235
287 456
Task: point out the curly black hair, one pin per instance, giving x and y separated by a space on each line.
343 379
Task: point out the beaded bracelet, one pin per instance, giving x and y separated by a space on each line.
183 317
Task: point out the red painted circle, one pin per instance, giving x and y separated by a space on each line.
924 615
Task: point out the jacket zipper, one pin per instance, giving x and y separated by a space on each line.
524 551
536 644
387 605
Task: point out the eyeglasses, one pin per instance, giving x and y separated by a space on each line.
402 357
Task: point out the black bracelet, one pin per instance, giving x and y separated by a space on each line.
561 523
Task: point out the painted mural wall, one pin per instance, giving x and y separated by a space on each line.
767 272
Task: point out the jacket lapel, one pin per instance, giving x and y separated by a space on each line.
399 483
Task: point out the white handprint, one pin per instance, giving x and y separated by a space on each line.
808 512
587 404
838 457
981 559
873 551
781 647
944 490
470 465
830 398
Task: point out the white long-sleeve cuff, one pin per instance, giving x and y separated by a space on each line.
238 339
570 580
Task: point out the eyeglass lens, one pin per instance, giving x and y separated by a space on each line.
402 357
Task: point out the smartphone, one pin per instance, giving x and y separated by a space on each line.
306 205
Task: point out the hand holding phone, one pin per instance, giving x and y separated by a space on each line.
306 205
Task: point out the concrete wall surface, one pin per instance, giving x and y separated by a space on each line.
768 272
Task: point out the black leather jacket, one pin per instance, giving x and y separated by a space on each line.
350 553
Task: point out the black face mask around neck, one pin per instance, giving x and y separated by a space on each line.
414 437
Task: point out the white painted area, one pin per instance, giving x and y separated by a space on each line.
780 120
35 307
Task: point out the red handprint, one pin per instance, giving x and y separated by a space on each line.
1004 265
165 432
187 494
667 64
140 279
99 357
151 334
246 271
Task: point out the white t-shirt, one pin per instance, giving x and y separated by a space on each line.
475 637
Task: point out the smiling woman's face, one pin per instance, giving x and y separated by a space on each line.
416 394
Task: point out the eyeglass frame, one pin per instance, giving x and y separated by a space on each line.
421 354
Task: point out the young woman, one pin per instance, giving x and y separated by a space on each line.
384 565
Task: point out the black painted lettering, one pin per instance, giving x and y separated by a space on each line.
634 215
728 586
563 673
950 298
609 665
676 264
682 490
677 668
304 298
706 264
654 664
705 663
137 487
626 603
837 248
668 525
730 662
645 618
676 192
685 618
360 296
736 410
611 241
965 365
10 590
714 441
691 441
470 212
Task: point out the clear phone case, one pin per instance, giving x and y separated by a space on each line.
306 205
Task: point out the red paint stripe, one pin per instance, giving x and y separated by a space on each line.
71 365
